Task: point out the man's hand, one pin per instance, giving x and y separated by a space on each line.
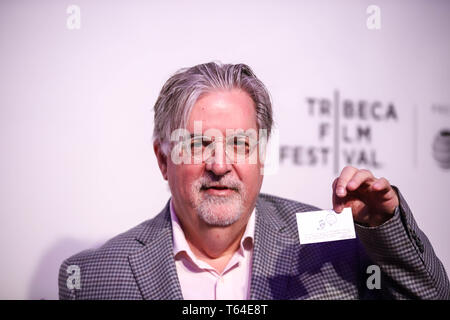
373 201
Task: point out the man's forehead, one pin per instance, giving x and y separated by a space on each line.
224 110
221 128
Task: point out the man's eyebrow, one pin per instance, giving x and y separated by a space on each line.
193 135
240 134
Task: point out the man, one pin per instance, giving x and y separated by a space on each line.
218 237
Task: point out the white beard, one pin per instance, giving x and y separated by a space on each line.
218 210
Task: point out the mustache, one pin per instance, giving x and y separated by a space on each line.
228 182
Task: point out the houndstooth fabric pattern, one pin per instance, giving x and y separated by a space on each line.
139 263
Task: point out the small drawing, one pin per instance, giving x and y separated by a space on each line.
321 224
331 219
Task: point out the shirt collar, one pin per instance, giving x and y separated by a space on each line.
180 243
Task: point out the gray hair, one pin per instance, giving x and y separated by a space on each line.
184 88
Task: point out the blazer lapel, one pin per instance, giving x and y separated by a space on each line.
154 268
153 265
272 255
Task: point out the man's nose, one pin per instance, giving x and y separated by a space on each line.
218 163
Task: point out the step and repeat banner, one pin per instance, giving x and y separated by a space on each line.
360 83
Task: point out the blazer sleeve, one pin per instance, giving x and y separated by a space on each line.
409 267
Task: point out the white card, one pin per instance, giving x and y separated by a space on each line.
325 225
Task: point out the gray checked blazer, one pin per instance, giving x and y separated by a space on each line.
139 264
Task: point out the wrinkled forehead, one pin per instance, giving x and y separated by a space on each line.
222 110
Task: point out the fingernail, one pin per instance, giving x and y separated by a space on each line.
340 191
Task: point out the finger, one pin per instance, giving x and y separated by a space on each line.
387 194
338 203
360 177
334 197
381 185
343 179
333 186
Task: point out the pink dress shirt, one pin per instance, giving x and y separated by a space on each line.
200 281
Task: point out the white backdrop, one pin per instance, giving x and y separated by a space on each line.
77 165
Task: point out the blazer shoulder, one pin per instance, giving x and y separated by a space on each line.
104 271
283 208
121 245
284 205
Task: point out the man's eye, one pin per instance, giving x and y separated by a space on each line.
199 143
196 144
240 142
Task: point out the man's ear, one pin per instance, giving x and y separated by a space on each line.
162 159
